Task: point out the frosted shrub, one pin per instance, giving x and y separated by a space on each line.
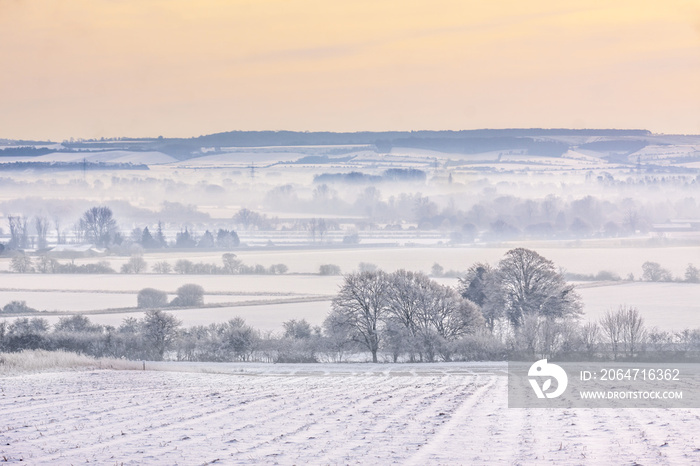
149 298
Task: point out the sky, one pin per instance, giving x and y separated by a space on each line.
180 68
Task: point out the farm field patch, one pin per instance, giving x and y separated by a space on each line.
329 414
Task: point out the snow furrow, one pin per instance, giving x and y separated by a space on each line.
378 415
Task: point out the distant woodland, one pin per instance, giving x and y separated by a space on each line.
532 141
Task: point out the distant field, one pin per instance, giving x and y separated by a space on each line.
264 317
668 306
94 301
213 284
580 259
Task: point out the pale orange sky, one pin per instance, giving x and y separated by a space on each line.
93 68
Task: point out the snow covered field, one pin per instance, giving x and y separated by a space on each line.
667 306
267 301
448 413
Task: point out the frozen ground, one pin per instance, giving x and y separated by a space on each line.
666 306
113 156
319 414
95 302
265 301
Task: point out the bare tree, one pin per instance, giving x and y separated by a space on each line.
529 284
590 337
19 235
60 238
437 270
312 226
189 295
77 324
239 339
407 295
79 229
367 267
232 264
611 323
321 228
99 225
46 264
446 317
297 329
162 267
692 274
149 298
21 264
543 336
451 315
361 306
631 219
633 330
430 314
476 286
160 330
653 272
183 266
553 336
339 336
329 269
550 205
527 334
249 219
136 264
41 224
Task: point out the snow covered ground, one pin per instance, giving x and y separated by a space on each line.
450 413
265 301
113 156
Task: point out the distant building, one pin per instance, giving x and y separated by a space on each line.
76 250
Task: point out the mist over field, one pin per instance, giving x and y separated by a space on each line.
268 221
436 255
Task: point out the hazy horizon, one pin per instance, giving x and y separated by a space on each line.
312 131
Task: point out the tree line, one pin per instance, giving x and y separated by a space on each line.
230 265
619 335
520 308
99 226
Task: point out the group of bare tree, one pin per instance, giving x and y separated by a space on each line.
625 331
97 225
654 272
20 237
406 312
520 308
